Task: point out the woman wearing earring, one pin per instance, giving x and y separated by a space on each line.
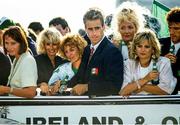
48 59
23 76
146 72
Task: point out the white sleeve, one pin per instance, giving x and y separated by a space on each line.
28 72
128 75
167 81
57 75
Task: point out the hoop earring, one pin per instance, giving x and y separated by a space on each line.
153 56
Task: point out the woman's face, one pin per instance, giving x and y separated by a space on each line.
127 30
12 46
72 53
51 48
144 50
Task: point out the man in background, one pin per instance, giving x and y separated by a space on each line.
61 25
171 45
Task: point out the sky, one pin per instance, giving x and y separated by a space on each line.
26 11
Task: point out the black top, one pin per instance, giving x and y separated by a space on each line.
5 67
45 67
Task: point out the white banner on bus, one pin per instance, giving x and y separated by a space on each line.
96 114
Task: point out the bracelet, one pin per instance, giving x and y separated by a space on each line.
11 90
138 85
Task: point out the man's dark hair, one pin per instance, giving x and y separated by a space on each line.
57 21
173 15
36 26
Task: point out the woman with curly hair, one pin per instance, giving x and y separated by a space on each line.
48 58
72 47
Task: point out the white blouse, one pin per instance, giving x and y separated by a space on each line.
133 71
23 72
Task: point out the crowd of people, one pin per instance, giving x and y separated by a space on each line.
129 60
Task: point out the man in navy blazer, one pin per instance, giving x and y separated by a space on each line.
170 45
101 75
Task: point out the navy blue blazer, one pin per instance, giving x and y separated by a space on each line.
104 73
165 46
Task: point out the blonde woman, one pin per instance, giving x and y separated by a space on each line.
126 23
72 48
146 72
48 59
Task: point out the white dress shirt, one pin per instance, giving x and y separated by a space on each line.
133 71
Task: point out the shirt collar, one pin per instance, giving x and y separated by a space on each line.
96 46
177 46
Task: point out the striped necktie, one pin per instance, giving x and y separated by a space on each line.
91 54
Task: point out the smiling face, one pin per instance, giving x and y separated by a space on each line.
127 30
72 53
12 46
51 49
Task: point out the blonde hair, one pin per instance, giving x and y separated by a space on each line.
128 11
49 35
150 36
72 40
